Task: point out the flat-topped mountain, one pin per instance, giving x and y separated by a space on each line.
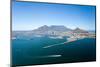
60 28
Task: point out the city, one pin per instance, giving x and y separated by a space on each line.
55 31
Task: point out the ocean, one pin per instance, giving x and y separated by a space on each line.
31 51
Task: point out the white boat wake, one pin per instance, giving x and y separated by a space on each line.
50 56
47 56
58 44
54 45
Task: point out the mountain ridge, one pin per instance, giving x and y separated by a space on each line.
52 28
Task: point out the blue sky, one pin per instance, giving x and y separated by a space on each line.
29 16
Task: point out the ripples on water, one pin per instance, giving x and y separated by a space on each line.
31 52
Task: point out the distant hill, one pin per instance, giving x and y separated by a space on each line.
78 30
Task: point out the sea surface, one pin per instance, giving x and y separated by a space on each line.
31 51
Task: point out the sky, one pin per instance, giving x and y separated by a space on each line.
31 15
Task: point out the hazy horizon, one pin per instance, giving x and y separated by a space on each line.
53 25
29 16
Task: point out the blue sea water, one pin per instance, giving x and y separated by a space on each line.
31 52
